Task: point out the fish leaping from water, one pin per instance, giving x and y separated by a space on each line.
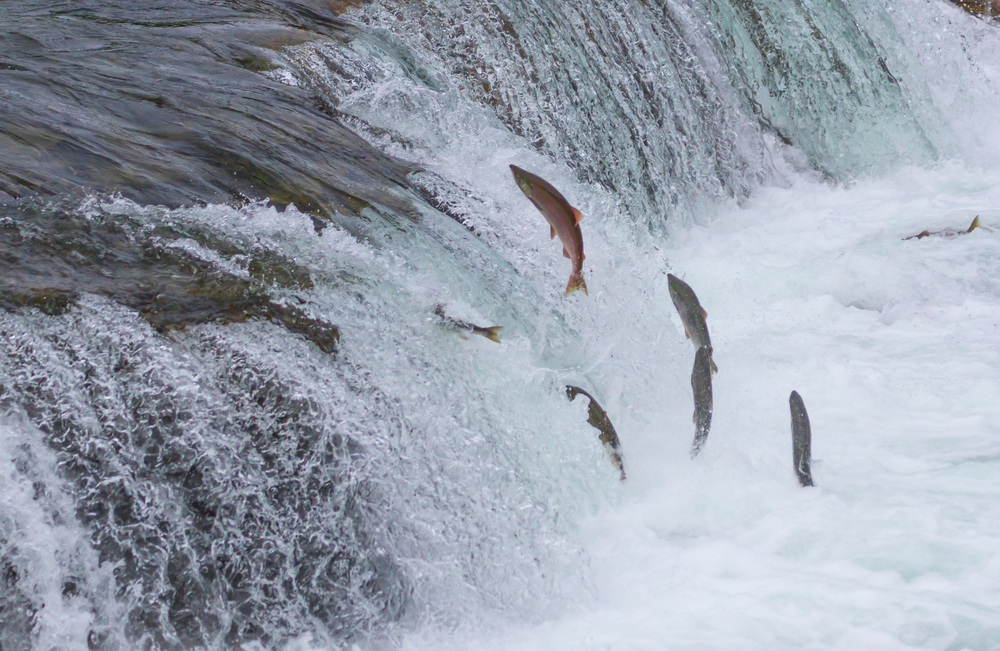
564 221
692 315
598 418
701 386
801 439
490 333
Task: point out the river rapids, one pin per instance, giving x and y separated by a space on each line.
243 243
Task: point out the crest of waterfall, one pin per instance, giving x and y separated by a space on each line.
664 104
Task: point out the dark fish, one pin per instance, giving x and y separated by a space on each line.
599 419
692 315
490 333
947 232
564 221
701 384
801 439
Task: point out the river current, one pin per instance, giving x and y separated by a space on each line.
238 409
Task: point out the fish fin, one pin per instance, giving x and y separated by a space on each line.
576 282
491 333
462 335
686 335
576 215
704 314
565 252
975 224
715 369
923 234
552 232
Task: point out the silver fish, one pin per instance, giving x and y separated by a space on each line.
701 385
801 439
692 315
490 333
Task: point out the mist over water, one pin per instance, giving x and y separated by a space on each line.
230 417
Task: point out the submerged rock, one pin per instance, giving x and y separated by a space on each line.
219 487
983 8
51 257
17 612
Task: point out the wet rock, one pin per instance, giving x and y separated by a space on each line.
102 114
983 8
232 504
17 612
51 257
256 63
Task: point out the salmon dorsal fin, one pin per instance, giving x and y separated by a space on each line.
576 215
975 224
552 231
704 314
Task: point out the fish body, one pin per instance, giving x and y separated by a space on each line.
598 418
692 315
563 219
701 385
491 333
801 439
947 232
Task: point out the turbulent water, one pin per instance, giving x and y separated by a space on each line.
233 416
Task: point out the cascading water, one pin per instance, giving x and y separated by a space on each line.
232 417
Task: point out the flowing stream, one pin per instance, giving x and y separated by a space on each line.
236 411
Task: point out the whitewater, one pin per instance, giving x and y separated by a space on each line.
892 345
810 285
482 491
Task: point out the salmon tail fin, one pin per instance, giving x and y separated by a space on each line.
576 282
975 224
492 333
576 214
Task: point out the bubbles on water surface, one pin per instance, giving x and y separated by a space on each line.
234 483
246 485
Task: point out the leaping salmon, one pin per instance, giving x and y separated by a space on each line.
490 333
598 418
692 315
564 221
701 386
801 439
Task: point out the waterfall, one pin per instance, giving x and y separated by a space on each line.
230 411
